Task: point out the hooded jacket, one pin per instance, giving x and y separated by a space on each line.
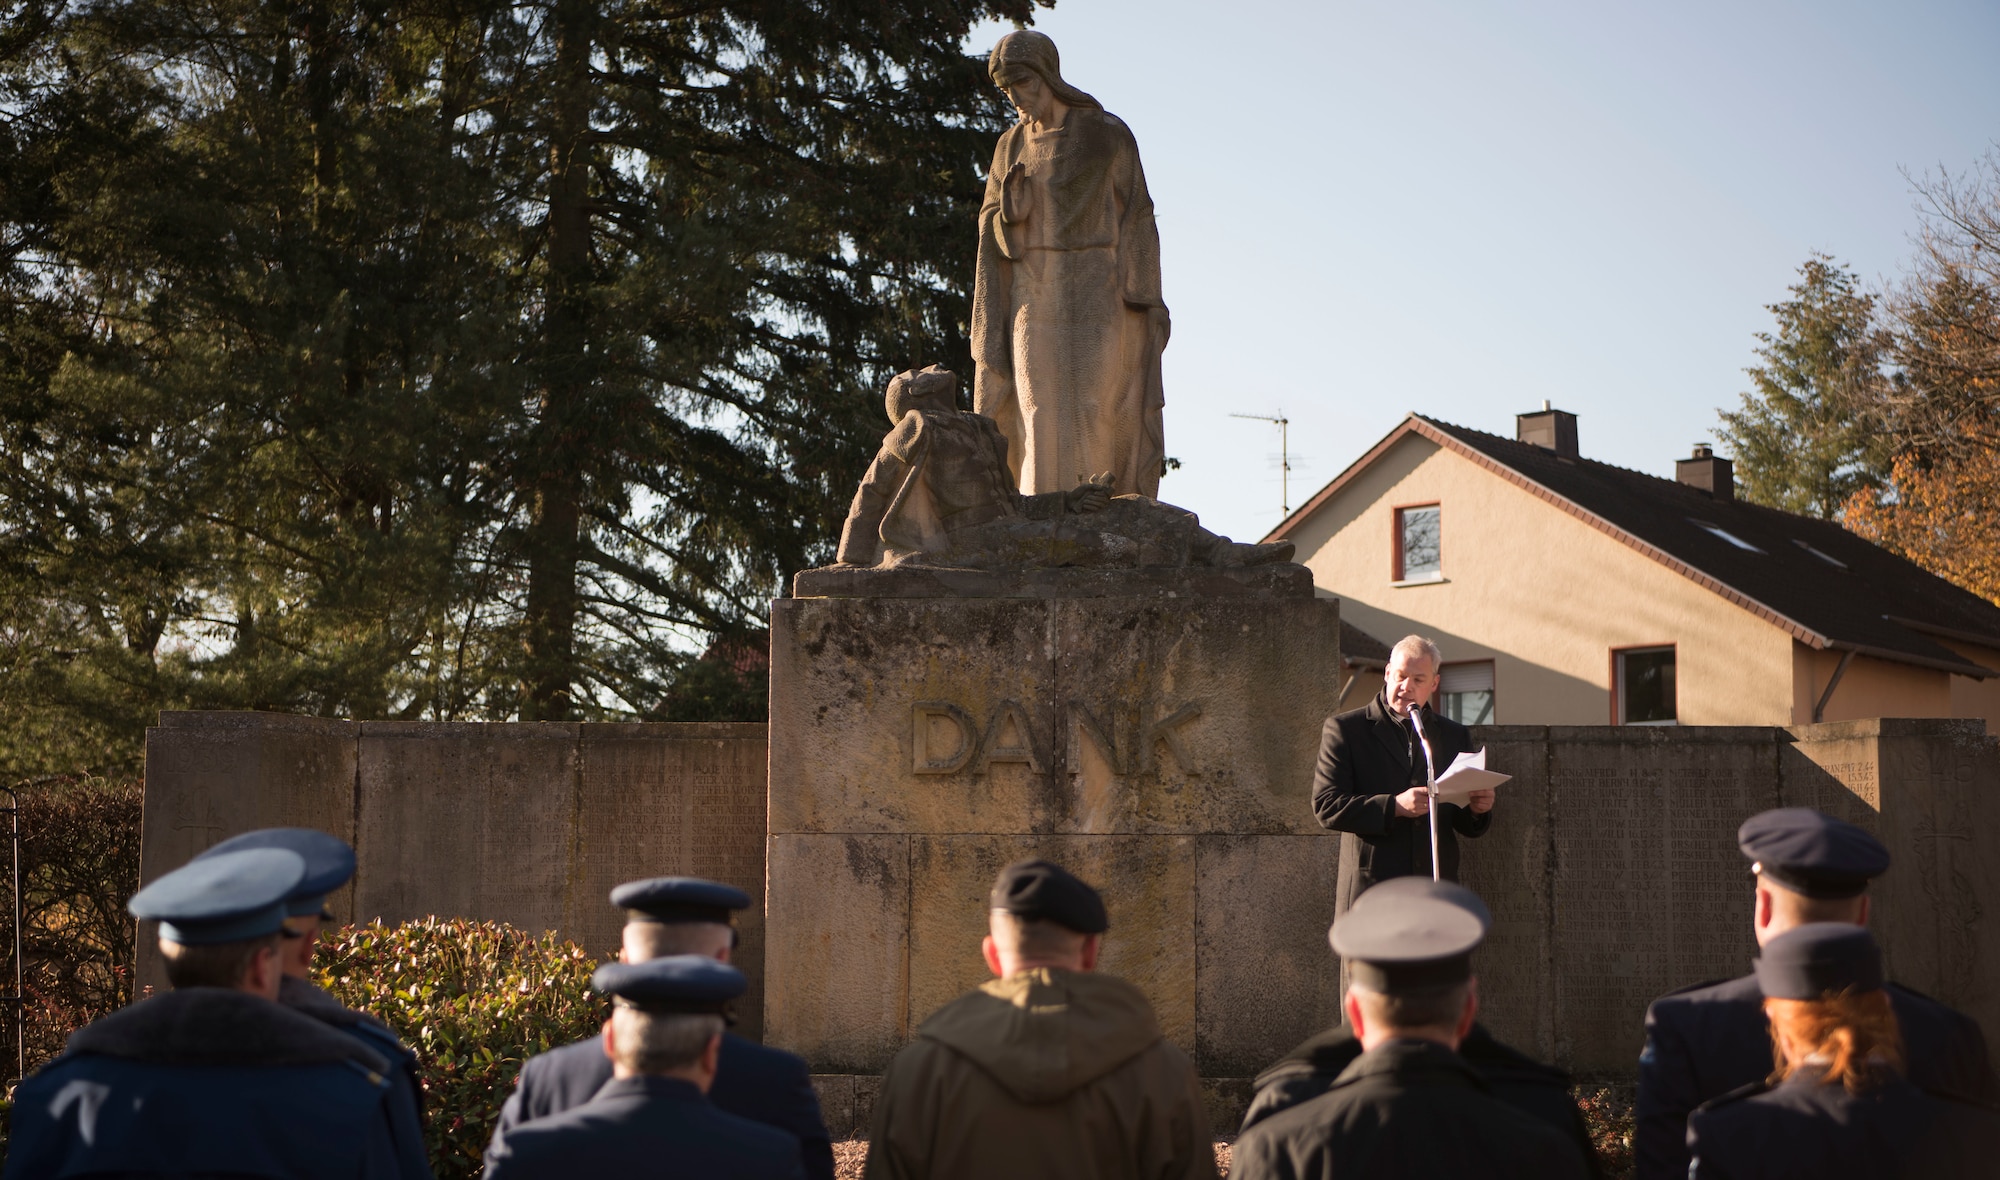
1046 1073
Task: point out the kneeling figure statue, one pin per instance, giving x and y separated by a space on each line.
940 494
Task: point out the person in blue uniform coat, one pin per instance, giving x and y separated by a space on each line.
672 916
329 865
664 1040
1838 1106
215 1077
1705 1041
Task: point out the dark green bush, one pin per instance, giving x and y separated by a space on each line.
475 1000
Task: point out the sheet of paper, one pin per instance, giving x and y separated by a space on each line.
1466 774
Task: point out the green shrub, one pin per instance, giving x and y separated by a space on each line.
475 1000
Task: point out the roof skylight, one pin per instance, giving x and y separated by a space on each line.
1828 558
1725 534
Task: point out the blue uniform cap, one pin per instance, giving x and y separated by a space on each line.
329 863
1811 853
229 897
1445 891
676 983
1409 945
679 899
1818 959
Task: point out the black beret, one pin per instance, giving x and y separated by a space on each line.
1445 891
676 983
1039 889
679 899
1408 945
329 862
1819 958
1811 853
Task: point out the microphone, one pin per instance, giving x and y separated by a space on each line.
1431 777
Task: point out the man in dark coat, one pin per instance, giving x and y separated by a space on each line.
1705 1041
1511 1075
213 1078
1371 777
653 1117
668 916
1409 1105
329 865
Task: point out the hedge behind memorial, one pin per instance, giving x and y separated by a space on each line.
475 1000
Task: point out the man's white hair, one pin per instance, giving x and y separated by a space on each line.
1409 647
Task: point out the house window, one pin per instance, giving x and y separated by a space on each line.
1416 545
1644 693
1465 692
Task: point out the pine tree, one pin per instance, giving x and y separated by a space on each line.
1803 440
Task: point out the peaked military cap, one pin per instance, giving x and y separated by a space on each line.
229 897
678 899
1811 853
676 983
1446 891
329 863
1047 891
1810 961
1408 945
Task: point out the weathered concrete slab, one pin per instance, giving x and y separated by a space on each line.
210 776
671 799
1649 888
1511 867
838 948
1266 978
1284 580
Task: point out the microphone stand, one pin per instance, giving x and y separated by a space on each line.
1431 782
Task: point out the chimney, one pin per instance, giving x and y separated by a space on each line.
1550 429
1715 476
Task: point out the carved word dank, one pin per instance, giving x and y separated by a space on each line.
1009 736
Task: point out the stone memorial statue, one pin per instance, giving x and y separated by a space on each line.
1067 320
940 494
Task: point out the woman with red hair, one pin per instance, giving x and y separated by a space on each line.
1837 1105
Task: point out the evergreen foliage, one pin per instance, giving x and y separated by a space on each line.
450 360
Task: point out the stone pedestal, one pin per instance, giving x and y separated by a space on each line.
1155 731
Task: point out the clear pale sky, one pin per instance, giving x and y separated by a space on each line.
1463 208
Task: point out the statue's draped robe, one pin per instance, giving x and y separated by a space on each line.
1060 308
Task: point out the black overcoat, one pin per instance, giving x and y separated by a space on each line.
1407 1108
1366 758
1706 1041
1805 1129
645 1126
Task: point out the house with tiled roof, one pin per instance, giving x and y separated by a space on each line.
1565 591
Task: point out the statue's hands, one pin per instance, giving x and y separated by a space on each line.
1016 197
1092 495
1159 326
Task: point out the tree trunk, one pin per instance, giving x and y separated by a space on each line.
558 456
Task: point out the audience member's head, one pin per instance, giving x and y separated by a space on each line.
1809 868
1822 985
1043 916
667 1016
678 916
220 918
329 865
1409 957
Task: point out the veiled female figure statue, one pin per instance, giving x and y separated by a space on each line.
1067 319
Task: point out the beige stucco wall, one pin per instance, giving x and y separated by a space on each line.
1542 594
1870 688
1976 698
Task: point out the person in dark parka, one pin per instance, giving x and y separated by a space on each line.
668 916
1839 1108
213 1078
1409 1105
1705 1041
653 1118
1511 1075
329 865
1371 774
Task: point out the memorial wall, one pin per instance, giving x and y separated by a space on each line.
1611 867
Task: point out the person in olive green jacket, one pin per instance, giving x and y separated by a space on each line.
1050 1070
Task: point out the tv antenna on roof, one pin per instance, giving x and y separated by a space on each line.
1284 456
